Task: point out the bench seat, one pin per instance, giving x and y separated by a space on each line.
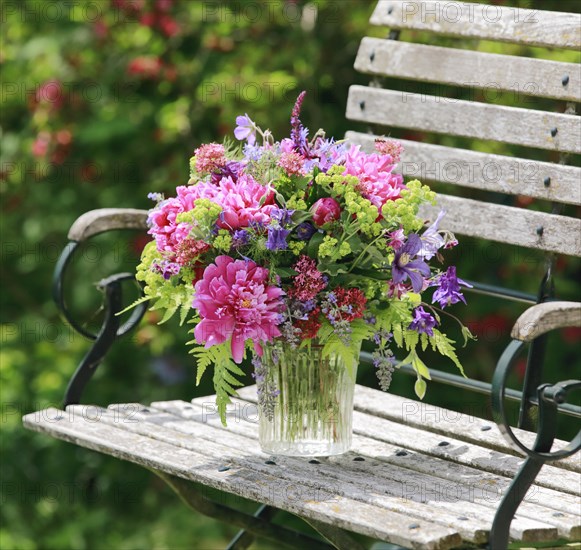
419 476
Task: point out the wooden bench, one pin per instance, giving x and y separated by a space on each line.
416 477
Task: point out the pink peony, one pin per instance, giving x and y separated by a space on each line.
234 301
325 211
376 181
240 202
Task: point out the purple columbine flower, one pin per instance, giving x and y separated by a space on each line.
404 265
305 231
431 239
449 291
423 322
282 216
241 237
277 238
245 129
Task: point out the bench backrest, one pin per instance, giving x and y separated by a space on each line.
559 132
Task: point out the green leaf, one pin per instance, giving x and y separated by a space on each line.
332 269
314 243
445 347
285 271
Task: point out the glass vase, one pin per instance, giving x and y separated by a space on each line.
305 401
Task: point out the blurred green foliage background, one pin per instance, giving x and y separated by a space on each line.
105 101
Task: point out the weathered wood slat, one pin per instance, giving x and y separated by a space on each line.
523 76
439 420
462 19
266 486
106 219
542 318
478 508
428 113
506 224
456 450
465 484
476 170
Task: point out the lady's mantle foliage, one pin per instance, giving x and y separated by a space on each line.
294 240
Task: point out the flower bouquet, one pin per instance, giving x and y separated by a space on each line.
294 253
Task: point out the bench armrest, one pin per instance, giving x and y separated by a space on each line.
107 219
545 317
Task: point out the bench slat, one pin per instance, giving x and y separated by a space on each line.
444 421
265 485
507 224
465 118
462 19
468 482
478 509
469 454
473 169
469 69
175 419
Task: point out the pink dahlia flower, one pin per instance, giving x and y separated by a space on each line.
377 183
234 301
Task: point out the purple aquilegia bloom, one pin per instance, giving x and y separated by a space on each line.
277 238
449 291
305 231
282 216
241 237
432 241
245 129
404 265
423 322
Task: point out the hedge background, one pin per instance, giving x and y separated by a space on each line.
105 101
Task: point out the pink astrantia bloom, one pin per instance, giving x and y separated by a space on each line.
235 302
390 147
210 157
377 183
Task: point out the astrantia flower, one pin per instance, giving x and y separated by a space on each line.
351 303
245 129
309 326
188 250
376 181
390 147
210 157
291 163
235 302
449 291
309 281
423 322
404 265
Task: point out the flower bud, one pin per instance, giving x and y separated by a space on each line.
325 211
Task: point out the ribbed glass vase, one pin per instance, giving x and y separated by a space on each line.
305 401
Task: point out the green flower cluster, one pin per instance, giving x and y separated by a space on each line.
403 212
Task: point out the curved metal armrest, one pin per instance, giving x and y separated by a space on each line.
107 219
542 318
